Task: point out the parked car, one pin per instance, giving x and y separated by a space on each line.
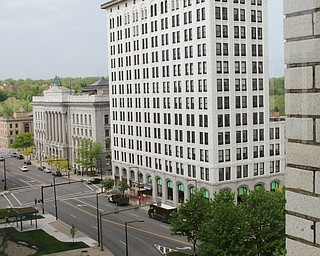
28 162
24 168
20 157
94 181
14 154
1 158
47 170
56 173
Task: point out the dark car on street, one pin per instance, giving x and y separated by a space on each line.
28 162
119 199
20 157
56 173
94 181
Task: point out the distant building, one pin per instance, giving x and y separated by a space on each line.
20 122
190 97
62 119
302 83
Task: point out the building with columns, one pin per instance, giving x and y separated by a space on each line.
63 118
190 97
302 84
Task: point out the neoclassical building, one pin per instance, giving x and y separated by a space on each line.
189 94
63 118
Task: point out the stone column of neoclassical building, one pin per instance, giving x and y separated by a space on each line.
302 84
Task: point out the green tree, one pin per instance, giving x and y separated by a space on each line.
73 231
88 151
224 230
187 221
265 214
28 151
23 140
107 184
123 186
276 86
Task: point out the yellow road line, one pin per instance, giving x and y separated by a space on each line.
122 225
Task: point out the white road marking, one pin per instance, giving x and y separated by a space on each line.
90 187
73 216
122 242
69 197
26 182
25 188
16 199
164 226
94 227
135 215
7 200
94 207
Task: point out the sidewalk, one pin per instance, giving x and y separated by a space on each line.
61 231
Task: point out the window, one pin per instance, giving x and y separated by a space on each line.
218 13
224 13
255 152
218 31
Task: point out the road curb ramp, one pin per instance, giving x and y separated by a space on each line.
163 250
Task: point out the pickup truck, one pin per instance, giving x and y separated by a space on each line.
119 199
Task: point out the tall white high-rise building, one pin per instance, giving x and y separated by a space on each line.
190 97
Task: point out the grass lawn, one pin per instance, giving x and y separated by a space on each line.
46 243
8 212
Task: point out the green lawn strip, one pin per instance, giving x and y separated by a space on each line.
46 243
177 254
8 212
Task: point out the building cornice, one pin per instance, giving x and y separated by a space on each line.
110 3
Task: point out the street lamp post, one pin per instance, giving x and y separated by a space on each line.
100 165
98 223
55 197
108 213
4 174
68 162
126 231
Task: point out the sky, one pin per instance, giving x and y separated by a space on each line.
43 38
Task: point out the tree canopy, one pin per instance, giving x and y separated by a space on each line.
18 93
89 150
255 227
123 186
107 184
23 140
189 218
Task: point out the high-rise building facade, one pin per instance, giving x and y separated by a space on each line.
302 81
190 97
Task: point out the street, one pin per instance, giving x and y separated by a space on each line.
77 204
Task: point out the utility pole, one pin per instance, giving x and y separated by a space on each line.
55 197
4 174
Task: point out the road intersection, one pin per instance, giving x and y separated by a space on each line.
76 204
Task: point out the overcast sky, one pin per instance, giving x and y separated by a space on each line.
43 38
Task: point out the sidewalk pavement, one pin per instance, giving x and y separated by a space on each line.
61 231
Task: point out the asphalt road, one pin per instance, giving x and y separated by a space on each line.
77 204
